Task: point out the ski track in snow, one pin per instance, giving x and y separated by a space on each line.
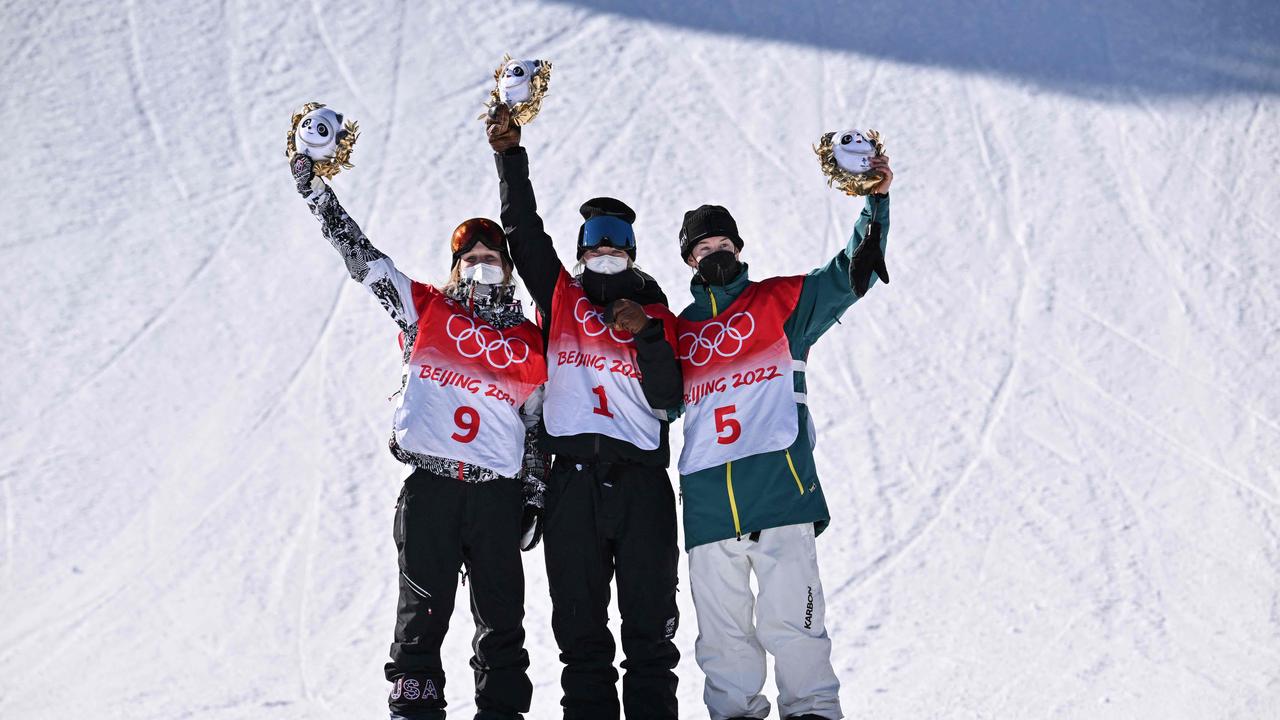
344 71
309 689
1000 395
6 481
1052 451
158 316
33 36
234 67
141 92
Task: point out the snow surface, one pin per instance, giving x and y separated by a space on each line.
1051 445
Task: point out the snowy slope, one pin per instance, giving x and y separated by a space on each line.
1052 444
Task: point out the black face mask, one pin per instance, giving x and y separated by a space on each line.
719 267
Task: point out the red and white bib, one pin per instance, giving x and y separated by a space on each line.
467 381
739 394
593 383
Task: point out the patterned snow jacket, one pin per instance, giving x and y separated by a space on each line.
371 268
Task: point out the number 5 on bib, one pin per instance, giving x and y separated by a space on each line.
728 430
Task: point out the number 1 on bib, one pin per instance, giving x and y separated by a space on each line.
602 407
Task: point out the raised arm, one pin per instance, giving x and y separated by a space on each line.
828 291
531 248
365 263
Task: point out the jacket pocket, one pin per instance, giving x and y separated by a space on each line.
794 474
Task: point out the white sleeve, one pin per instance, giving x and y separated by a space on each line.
366 264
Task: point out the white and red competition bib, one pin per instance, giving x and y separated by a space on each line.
739 394
467 381
593 383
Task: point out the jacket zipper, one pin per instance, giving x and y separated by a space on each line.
733 504
794 474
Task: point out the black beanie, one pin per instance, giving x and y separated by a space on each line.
606 206
707 221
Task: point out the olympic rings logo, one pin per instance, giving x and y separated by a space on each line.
592 322
727 339
475 340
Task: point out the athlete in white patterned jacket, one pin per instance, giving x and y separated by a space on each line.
466 421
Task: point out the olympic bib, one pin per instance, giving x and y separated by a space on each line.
739 394
593 383
467 381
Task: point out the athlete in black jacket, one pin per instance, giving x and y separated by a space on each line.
609 503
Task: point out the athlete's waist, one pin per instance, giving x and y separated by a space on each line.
595 448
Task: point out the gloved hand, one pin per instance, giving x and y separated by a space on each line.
304 171
627 315
867 258
880 163
531 527
502 130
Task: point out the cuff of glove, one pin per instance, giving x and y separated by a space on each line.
651 332
311 193
512 163
535 491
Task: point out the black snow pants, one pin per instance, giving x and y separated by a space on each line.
441 525
600 520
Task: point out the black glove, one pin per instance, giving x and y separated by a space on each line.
304 170
867 258
531 528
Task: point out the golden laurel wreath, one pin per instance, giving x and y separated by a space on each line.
523 112
851 183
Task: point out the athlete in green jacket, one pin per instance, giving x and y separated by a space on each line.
760 510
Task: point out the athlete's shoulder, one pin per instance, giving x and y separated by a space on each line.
779 281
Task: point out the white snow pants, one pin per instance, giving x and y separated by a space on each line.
788 623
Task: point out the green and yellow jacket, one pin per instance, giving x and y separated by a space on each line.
779 488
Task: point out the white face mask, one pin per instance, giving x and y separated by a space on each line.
483 273
607 264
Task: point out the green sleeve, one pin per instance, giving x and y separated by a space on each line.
827 291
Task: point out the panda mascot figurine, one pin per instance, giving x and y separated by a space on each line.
320 133
845 158
520 85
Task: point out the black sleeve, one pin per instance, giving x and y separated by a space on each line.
660 376
531 248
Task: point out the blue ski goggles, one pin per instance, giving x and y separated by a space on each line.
607 230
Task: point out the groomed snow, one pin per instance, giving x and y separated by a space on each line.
1051 444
